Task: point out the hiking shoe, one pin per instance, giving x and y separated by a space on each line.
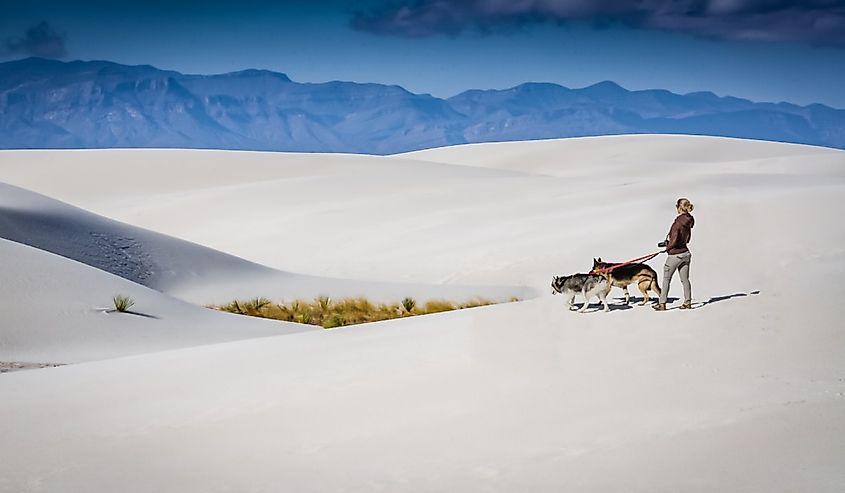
686 306
660 307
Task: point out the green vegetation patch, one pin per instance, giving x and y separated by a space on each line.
329 313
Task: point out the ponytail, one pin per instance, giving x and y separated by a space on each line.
684 205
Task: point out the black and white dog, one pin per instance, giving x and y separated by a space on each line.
588 285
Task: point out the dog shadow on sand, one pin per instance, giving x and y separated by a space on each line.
619 302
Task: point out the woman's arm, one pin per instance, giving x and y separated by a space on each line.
674 233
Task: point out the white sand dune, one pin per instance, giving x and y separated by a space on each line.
746 393
185 270
54 311
70 327
521 397
638 155
357 217
399 219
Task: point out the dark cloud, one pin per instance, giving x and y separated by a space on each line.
40 40
818 22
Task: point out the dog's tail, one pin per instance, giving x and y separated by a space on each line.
654 286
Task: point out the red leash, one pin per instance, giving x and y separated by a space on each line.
632 261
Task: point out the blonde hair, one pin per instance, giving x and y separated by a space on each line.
684 205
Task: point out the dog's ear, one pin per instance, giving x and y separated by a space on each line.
599 259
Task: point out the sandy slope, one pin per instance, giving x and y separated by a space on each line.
183 269
53 310
70 328
523 397
400 219
744 394
339 215
650 152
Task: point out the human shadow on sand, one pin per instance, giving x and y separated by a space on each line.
716 299
713 299
619 303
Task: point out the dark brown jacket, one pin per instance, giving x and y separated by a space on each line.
680 234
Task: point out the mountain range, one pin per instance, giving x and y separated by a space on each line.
48 104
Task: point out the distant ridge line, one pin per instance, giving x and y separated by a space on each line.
50 104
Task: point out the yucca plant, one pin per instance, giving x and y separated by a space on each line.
233 307
409 304
122 303
257 304
324 302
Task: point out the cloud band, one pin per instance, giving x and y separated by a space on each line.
818 22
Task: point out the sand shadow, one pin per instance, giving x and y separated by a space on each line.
130 312
10 366
598 307
97 242
636 300
716 299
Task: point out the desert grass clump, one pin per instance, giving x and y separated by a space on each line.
476 302
329 313
334 320
409 304
122 303
437 306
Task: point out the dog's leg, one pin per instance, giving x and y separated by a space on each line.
643 285
586 301
627 294
603 299
568 296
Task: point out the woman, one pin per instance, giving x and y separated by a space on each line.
679 255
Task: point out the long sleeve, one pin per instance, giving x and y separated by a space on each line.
674 234
680 234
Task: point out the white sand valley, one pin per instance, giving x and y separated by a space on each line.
746 393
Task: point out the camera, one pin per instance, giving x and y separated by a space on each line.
663 244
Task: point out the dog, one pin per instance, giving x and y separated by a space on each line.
621 277
588 285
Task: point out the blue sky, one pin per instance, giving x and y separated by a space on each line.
762 50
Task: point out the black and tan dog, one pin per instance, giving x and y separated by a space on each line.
621 277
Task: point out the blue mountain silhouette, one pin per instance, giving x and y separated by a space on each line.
52 104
